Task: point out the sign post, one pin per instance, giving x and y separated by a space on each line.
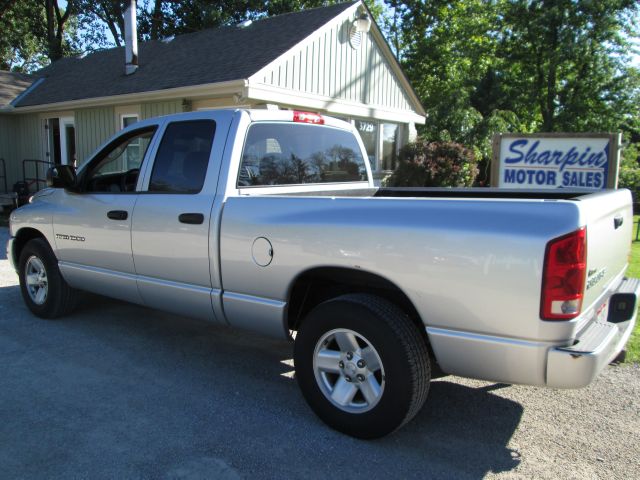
556 160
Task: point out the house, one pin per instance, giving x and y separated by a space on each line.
331 60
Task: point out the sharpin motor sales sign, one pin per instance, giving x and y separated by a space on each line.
555 160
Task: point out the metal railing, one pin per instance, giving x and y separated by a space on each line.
38 168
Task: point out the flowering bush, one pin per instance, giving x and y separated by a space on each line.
435 164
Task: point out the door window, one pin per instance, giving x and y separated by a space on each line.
182 158
114 170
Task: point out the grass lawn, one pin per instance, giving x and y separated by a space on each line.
633 347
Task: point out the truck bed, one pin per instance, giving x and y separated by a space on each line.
426 192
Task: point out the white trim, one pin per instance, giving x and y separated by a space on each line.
397 70
378 39
63 123
307 40
206 90
128 115
125 111
331 105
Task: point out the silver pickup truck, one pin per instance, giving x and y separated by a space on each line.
270 221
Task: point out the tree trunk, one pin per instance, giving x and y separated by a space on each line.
157 20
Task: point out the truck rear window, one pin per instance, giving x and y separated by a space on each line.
297 154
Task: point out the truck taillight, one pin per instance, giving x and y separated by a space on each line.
565 266
308 117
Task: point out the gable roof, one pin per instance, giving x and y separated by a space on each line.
208 56
11 85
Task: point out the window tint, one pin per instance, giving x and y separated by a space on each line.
183 156
116 168
293 154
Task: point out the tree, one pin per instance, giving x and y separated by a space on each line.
568 60
487 66
97 14
35 32
447 48
56 23
22 46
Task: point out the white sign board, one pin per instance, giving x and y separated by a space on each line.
555 161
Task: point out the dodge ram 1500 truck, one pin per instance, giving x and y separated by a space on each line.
270 221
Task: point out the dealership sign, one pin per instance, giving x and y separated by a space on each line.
560 160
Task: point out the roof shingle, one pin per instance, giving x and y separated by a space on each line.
208 56
12 84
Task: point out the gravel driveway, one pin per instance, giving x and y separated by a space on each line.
119 391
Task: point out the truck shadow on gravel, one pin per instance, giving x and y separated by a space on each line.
147 393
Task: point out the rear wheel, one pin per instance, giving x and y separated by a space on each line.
43 289
362 365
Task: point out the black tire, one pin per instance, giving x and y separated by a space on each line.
401 349
60 298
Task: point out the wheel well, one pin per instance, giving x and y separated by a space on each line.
23 236
320 284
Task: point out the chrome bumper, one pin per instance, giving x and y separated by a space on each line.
578 365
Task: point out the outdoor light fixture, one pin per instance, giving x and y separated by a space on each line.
360 26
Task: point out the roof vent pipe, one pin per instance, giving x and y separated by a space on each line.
130 39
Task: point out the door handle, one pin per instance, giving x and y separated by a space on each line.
118 214
617 222
191 218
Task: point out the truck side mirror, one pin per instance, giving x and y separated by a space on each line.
62 176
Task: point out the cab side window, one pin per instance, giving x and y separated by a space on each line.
182 158
116 168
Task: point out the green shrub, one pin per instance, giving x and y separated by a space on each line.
435 164
630 178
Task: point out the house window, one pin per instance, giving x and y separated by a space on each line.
368 131
390 145
131 157
128 119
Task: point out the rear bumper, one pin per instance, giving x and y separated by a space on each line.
510 360
10 253
598 344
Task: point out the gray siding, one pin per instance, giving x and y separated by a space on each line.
20 138
93 127
330 67
30 137
8 149
156 109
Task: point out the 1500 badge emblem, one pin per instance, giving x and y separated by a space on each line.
74 238
594 277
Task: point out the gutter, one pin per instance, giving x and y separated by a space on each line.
197 91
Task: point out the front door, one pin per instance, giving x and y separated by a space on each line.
93 226
172 226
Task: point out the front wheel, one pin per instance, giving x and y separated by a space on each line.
43 289
362 365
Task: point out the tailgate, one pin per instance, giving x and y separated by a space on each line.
609 220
